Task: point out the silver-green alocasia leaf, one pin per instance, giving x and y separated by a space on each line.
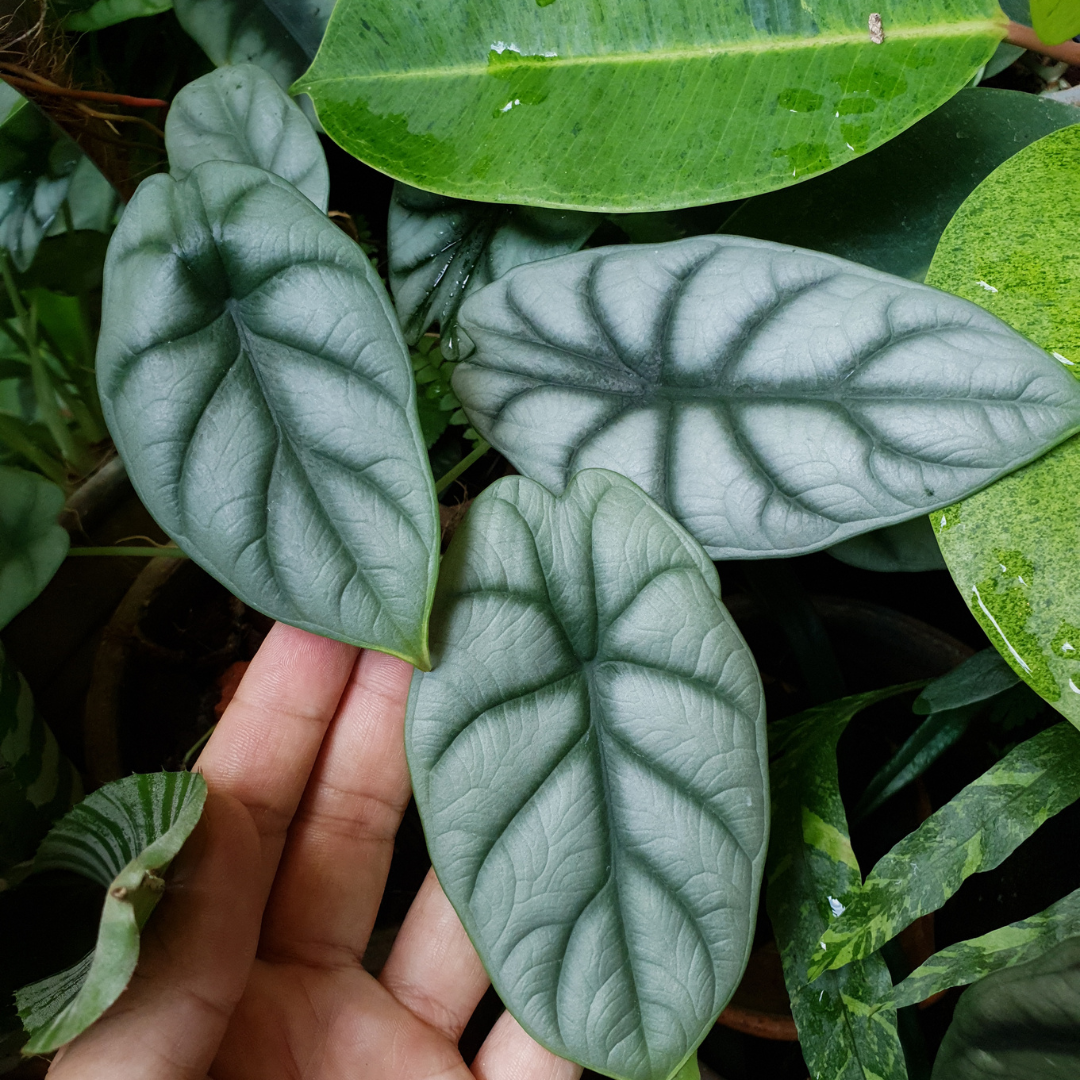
256 385
776 401
967 961
974 831
32 542
37 782
812 873
122 836
635 105
441 250
239 113
1020 1024
588 757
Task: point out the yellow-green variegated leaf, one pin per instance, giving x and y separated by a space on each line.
635 104
973 832
1011 549
123 836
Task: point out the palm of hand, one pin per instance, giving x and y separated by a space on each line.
250 970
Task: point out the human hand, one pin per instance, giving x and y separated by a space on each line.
250 967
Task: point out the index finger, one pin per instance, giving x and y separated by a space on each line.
265 745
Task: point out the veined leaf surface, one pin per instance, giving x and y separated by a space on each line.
812 875
1019 1024
442 250
32 542
588 758
974 831
633 105
1011 549
122 836
968 961
776 401
239 113
257 387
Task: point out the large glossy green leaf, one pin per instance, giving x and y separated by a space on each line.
256 385
588 757
974 831
1012 548
889 208
239 113
1055 21
638 105
775 400
36 163
812 875
37 782
1020 1024
122 836
32 543
968 961
442 250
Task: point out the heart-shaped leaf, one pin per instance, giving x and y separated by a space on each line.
1019 1024
122 836
36 164
649 105
37 782
32 543
239 113
588 757
257 387
889 208
776 401
442 250
1012 549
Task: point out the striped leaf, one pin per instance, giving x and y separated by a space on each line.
32 543
971 960
975 831
122 836
37 783
812 874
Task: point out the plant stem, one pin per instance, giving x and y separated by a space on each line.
150 552
445 481
200 742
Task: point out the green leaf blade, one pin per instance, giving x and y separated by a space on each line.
239 113
776 401
445 98
644 782
1011 548
1055 21
122 836
812 874
263 401
975 831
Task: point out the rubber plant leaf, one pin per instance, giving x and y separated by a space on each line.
1020 1023
122 836
776 401
32 542
812 874
239 113
37 782
905 548
256 385
280 36
889 208
104 13
968 961
974 831
595 797
36 163
1055 21
1010 548
442 250
643 106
